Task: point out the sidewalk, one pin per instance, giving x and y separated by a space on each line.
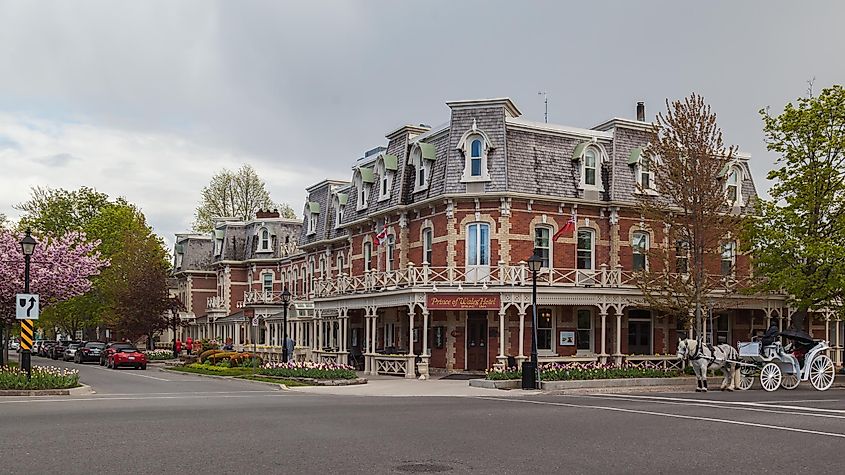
390 386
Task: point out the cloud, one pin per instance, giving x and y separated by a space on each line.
58 160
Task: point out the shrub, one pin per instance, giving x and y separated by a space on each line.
158 355
205 354
244 359
587 371
220 356
43 377
209 345
309 370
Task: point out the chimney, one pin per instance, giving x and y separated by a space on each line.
266 214
641 111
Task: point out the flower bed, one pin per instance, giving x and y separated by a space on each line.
159 355
309 370
43 377
200 368
587 371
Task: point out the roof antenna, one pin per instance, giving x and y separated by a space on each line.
546 102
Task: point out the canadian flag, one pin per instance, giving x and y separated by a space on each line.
382 236
569 226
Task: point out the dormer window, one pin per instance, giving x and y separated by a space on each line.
180 251
219 234
422 156
263 240
733 175
340 200
363 180
476 147
590 156
386 167
312 210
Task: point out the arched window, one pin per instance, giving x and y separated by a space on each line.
590 166
340 263
645 175
295 283
542 245
478 244
368 255
421 157
475 158
732 186
639 248
728 255
389 251
682 256
263 240
585 252
475 147
427 241
267 282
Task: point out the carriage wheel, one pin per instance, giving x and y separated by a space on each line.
790 381
821 372
746 377
770 377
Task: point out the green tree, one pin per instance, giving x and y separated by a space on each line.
798 242
55 212
234 195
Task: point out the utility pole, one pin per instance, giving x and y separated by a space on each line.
546 103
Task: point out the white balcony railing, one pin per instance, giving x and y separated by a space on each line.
215 303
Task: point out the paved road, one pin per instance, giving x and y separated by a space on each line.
151 422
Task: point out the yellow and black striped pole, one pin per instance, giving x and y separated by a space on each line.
27 337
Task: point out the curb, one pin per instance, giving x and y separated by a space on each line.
232 378
81 389
628 383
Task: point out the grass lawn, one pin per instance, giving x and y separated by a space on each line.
287 382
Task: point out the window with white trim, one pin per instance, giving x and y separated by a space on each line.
427 240
340 263
545 330
682 256
585 250
732 183
542 245
385 180
263 240
590 167
311 267
478 244
338 214
322 267
645 174
422 169
368 255
476 149
295 282
728 258
267 282
389 335
584 330
362 190
639 249
312 223
389 252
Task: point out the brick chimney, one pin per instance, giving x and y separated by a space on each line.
641 111
266 214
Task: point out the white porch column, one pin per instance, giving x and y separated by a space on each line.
425 333
411 313
618 355
603 355
502 336
522 333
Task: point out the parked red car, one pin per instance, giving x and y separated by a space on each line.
127 356
111 348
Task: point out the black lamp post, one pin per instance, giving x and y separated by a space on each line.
530 373
28 244
285 302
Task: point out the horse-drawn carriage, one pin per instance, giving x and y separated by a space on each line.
803 359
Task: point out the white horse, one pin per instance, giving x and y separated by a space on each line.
704 357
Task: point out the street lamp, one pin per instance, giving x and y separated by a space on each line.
285 302
530 373
28 244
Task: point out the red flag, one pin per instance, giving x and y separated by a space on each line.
380 237
569 226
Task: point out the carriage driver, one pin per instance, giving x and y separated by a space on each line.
770 335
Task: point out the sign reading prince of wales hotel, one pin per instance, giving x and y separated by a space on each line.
464 302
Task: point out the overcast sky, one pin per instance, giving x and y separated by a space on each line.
147 100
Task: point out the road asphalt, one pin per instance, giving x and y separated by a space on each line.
155 422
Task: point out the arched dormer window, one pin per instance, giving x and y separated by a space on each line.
312 215
363 180
590 156
386 167
476 147
733 174
421 158
263 239
338 203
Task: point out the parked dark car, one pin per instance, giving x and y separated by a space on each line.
70 351
127 356
89 351
58 350
111 349
45 347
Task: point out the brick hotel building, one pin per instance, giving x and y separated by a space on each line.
417 264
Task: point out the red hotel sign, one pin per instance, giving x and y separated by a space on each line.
463 302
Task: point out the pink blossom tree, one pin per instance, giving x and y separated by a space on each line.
60 268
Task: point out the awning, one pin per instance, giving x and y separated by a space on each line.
634 156
579 150
313 207
390 162
342 199
367 174
428 151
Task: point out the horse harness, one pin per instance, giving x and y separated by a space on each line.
700 354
